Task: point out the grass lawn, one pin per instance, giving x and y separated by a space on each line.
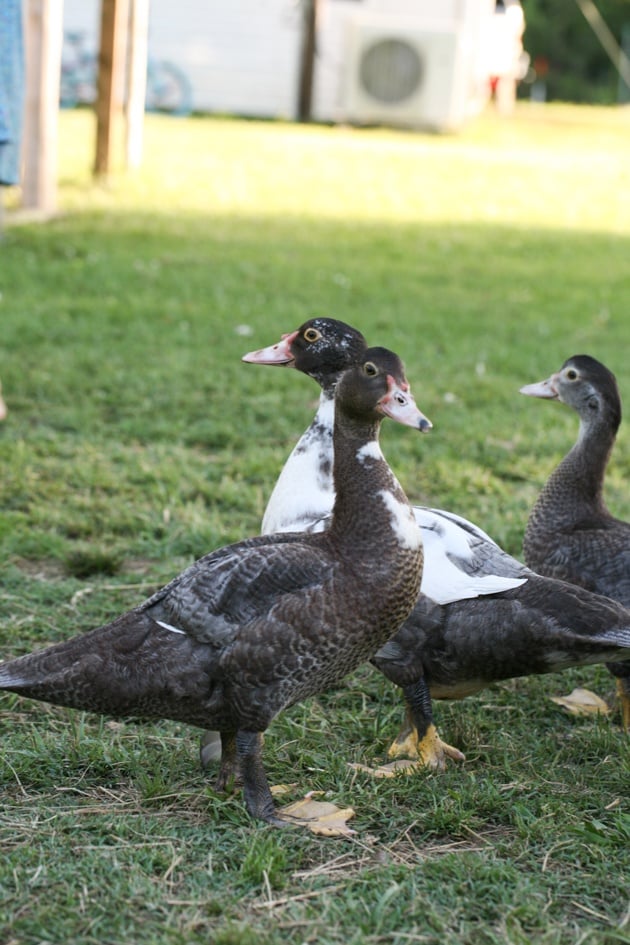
137 441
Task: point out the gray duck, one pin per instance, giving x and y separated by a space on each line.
570 532
256 626
481 616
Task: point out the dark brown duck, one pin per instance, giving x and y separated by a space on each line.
570 533
256 626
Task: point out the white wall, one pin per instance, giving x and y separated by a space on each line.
242 56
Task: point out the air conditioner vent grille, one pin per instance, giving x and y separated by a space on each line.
391 70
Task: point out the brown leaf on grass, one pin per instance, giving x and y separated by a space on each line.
400 766
321 817
582 702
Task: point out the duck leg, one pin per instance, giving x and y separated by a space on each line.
258 797
418 738
229 769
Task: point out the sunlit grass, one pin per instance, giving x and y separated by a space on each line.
558 167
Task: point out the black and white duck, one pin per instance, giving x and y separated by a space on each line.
482 616
570 532
258 625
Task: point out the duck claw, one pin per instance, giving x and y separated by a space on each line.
429 751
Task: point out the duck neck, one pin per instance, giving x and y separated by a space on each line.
574 491
369 499
305 490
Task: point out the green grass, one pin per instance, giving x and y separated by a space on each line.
137 441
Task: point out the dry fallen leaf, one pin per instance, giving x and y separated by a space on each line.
321 817
277 789
401 766
582 702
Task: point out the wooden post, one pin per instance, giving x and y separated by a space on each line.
137 90
307 61
111 84
43 34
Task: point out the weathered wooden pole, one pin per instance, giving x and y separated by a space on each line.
43 33
111 85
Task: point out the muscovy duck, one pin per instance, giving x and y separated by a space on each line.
570 533
256 626
482 616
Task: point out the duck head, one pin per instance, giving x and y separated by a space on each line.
584 384
378 383
321 348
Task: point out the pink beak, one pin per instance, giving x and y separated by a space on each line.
398 403
545 389
279 354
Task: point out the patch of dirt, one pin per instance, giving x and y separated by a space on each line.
41 569
137 566
50 569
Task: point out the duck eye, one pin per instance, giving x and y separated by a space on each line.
370 369
572 374
312 334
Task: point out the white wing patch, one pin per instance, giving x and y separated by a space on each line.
442 580
428 516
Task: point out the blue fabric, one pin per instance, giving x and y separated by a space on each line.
12 81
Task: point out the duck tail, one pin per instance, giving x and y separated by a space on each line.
129 667
69 673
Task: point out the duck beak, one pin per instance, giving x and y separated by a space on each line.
545 389
279 354
398 403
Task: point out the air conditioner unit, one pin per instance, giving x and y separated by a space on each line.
405 75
